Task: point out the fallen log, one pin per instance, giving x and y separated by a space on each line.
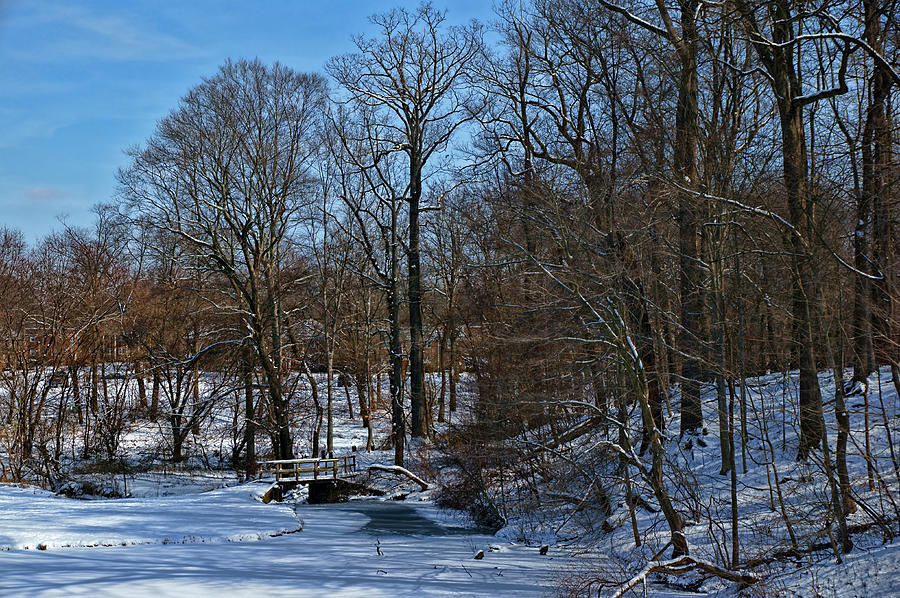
682 565
401 471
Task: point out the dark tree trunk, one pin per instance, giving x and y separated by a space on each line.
362 394
95 387
685 168
879 183
779 62
76 393
317 426
442 365
416 349
398 423
249 415
454 372
154 397
142 390
812 420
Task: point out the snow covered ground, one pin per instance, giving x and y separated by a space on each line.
35 518
872 569
228 543
182 533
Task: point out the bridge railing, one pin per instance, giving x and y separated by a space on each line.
306 470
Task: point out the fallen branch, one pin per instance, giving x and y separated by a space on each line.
568 436
682 565
794 553
401 471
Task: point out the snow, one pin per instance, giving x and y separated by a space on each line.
35 518
867 572
335 554
183 533
871 569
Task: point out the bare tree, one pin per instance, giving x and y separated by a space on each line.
227 173
413 77
683 36
367 186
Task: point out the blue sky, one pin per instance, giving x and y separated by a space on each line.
81 81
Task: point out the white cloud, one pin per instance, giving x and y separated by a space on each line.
67 32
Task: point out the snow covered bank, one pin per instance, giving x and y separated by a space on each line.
33 518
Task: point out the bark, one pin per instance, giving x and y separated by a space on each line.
76 393
779 63
249 415
398 470
846 503
416 349
317 428
648 358
329 405
639 320
812 421
879 172
142 390
362 394
398 424
680 566
454 372
347 395
442 365
95 387
685 168
863 357
364 391
195 390
655 479
268 355
154 396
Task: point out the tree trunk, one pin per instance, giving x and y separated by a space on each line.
195 393
454 372
398 424
779 63
442 368
271 364
177 437
812 420
249 415
880 182
347 384
76 393
329 405
95 387
362 394
142 389
685 169
154 397
416 349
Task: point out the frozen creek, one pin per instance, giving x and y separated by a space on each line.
227 543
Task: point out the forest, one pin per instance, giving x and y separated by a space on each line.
631 265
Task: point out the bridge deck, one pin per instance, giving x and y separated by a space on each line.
304 471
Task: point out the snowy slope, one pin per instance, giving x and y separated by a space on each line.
801 497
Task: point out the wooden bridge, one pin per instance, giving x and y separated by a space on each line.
328 478
305 471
